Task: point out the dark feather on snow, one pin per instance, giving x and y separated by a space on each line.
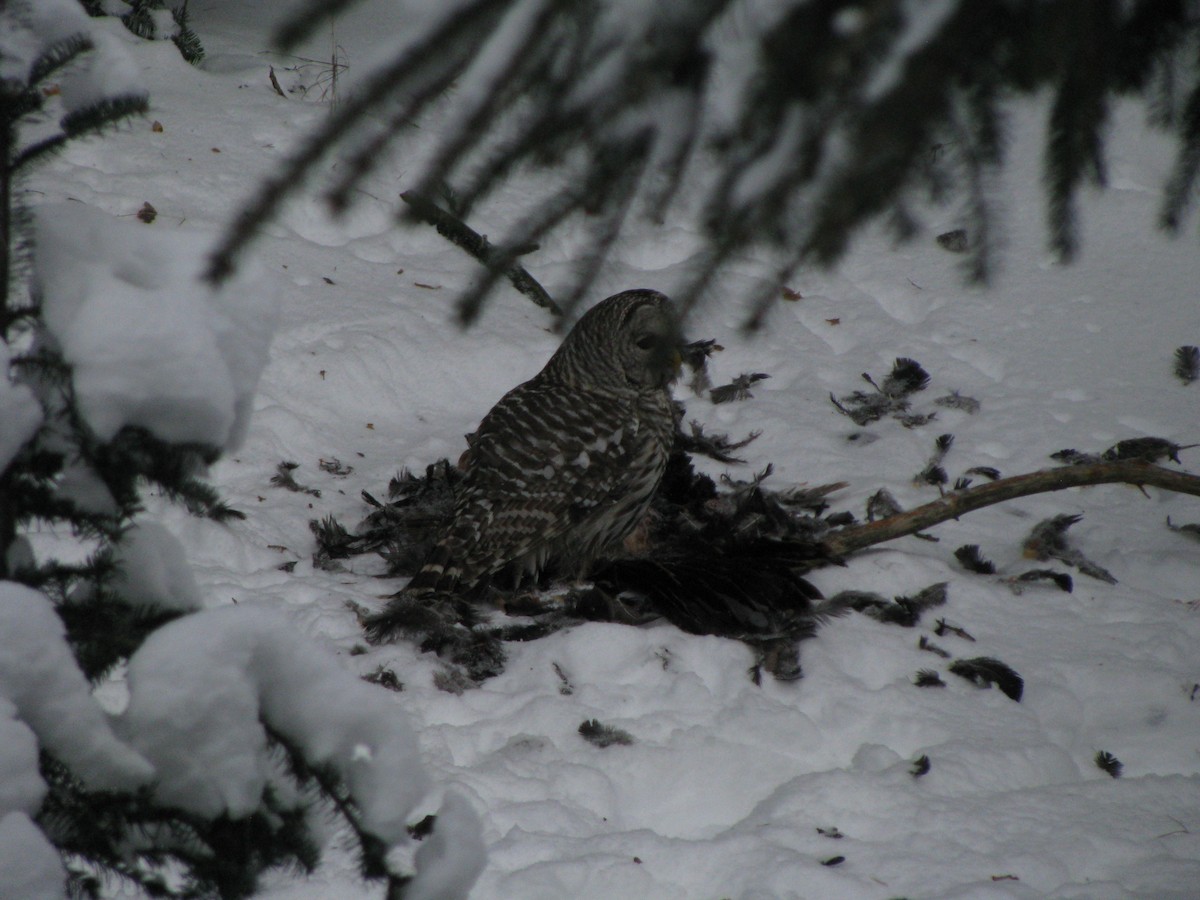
930 647
1048 540
596 732
970 558
1190 529
881 505
985 671
1187 363
955 400
738 389
988 472
907 377
1146 449
1109 763
928 678
1062 580
1074 457
716 446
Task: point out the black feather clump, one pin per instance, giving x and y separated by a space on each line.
1142 449
1109 763
729 562
985 671
596 732
1145 449
971 559
903 611
889 398
1187 363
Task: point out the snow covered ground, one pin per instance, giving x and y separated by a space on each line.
732 790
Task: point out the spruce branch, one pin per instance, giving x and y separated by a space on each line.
857 537
477 245
58 55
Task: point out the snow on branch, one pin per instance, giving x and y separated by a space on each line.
202 687
150 345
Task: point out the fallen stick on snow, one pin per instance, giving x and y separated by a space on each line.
951 506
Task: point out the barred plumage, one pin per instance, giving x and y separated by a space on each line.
565 465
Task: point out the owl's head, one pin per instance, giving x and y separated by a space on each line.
630 340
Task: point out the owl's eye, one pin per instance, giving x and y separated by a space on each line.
646 341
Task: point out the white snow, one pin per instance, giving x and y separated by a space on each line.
150 344
201 689
449 860
29 865
41 687
152 569
726 786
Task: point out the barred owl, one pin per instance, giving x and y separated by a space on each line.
565 465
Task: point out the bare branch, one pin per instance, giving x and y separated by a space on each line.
856 537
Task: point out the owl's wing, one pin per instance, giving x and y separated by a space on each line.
540 461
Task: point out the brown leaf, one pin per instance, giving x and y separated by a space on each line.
157 127
147 213
789 294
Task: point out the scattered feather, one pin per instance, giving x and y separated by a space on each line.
1187 363
283 478
882 504
907 377
595 732
738 389
831 832
1189 529
716 446
1109 763
1145 449
943 628
928 678
695 356
988 472
1048 540
985 671
930 647
915 420
955 241
955 400
1062 580
970 558
334 466
1074 457
385 678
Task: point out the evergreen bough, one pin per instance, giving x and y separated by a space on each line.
815 118
120 837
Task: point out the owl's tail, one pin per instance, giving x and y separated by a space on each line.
438 574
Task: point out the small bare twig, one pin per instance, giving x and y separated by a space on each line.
459 232
951 506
